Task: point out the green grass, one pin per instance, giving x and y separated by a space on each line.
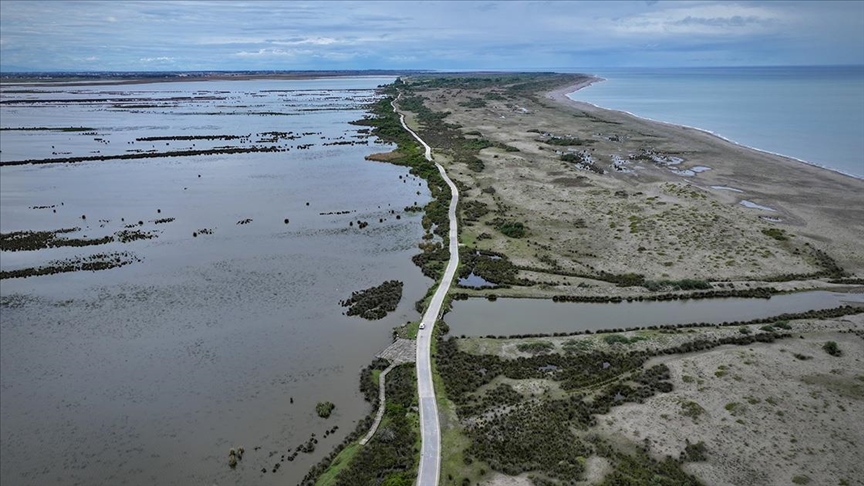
408 331
343 459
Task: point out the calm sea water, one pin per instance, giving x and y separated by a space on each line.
814 114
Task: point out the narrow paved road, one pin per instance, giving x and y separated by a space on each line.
430 431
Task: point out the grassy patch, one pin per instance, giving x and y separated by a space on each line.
691 409
342 459
408 331
537 347
611 339
776 233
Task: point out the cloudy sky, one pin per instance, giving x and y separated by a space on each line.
247 35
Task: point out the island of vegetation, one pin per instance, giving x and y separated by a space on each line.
375 302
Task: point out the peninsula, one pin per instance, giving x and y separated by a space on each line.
570 202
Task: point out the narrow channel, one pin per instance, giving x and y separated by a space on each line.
480 317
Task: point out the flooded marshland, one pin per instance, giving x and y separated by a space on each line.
250 193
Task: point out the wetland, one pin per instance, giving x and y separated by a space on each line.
212 335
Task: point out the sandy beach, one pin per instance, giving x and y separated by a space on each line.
825 205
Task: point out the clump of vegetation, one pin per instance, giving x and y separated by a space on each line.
99 261
476 164
572 346
235 455
473 103
564 141
477 144
691 409
513 229
831 348
734 408
38 240
375 302
776 233
538 347
324 409
695 452
127 236
473 210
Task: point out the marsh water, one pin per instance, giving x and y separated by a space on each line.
149 373
503 317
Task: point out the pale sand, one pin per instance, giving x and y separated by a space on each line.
825 205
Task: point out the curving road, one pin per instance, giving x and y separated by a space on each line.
430 431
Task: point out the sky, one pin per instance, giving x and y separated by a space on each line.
455 35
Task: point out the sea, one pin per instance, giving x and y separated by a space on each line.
814 114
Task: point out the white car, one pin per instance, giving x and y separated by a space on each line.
422 326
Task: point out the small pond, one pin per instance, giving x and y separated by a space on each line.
476 282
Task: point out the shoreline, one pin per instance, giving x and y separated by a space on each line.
59 82
561 95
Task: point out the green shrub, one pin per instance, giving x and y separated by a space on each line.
695 452
324 409
513 229
831 348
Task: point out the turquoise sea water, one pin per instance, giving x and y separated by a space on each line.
815 114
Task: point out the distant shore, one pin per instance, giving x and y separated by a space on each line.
561 95
109 79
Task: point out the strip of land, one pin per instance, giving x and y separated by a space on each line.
573 200
579 204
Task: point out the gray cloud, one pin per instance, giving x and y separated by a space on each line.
444 35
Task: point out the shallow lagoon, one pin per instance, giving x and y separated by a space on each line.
149 373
